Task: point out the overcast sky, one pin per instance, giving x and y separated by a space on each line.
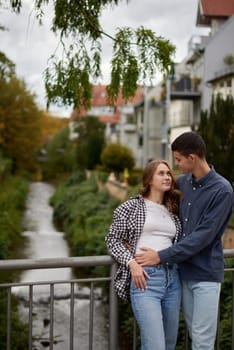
29 45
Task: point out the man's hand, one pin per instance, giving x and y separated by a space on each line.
139 275
149 257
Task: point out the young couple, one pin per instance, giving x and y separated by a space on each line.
167 241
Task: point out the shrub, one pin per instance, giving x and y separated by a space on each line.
12 205
85 215
116 157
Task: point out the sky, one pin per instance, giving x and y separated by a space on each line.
29 45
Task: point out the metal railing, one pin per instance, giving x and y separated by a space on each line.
74 262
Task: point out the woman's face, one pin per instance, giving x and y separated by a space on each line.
162 179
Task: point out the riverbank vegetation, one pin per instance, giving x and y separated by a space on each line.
14 191
84 213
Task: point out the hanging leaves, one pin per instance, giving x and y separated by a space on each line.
137 54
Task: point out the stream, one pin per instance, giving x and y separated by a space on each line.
44 241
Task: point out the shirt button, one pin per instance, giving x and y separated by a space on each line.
194 188
186 219
184 235
189 203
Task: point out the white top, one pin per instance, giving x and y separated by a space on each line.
159 228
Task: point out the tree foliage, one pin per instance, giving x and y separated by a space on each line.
7 67
90 142
51 125
217 129
116 157
137 53
19 124
14 192
60 158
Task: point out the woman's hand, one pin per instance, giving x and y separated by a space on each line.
149 257
139 275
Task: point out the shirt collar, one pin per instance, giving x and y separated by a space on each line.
205 179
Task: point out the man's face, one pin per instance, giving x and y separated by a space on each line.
185 164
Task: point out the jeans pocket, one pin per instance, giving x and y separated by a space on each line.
151 270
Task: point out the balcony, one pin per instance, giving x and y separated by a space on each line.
184 89
91 295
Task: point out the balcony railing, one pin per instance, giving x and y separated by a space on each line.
76 262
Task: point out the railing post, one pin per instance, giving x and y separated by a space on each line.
8 318
113 312
232 310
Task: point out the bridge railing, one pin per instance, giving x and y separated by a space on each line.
55 263
76 262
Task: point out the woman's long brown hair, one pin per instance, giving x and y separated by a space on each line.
171 197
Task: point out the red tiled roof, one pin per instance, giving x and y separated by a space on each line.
100 99
110 119
100 96
217 8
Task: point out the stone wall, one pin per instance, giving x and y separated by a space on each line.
228 239
117 189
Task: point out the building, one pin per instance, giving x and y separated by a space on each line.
119 118
155 116
218 70
208 69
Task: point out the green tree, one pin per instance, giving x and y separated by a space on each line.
19 124
7 70
60 158
116 158
137 53
7 67
90 142
50 125
217 129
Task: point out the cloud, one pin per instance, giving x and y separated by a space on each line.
29 45
172 19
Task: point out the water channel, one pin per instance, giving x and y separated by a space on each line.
44 241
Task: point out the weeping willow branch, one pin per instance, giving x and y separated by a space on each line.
137 54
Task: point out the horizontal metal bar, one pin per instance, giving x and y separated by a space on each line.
228 253
39 283
84 261
30 264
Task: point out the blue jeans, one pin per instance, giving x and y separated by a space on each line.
200 306
157 308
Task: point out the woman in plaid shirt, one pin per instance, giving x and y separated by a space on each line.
149 220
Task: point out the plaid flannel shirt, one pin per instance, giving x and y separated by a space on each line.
126 229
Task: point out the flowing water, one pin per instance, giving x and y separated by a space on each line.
44 241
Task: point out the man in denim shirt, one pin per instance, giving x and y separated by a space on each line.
205 211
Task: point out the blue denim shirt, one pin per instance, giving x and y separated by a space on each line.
204 212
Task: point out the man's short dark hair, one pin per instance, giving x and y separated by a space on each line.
189 142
